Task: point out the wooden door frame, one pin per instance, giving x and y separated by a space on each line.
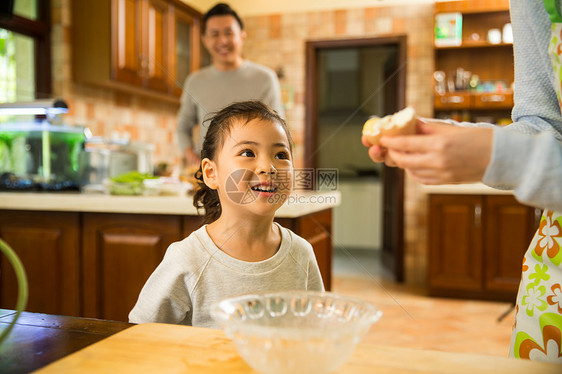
392 231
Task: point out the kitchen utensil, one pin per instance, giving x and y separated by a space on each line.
295 331
440 84
126 155
93 169
460 79
494 36
507 33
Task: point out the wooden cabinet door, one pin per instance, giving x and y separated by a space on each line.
455 245
190 224
501 100
120 253
510 227
48 245
186 57
316 228
126 42
155 41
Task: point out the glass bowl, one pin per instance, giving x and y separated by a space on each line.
295 331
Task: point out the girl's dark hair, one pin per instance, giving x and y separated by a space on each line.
221 9
219 127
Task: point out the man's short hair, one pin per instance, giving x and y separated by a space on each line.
221 9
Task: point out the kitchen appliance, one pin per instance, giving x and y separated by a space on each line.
38 153
103 159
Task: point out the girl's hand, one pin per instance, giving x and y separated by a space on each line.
443 153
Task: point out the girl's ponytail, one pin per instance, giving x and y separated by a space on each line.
207 199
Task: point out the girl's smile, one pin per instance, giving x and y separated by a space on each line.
266 188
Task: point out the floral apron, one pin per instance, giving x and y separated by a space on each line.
537 332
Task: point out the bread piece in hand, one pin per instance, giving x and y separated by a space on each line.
399 123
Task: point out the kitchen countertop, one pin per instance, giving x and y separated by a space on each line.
298 204
464 189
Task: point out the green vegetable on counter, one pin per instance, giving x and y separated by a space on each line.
131 177
130 183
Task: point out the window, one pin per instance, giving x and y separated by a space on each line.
25 57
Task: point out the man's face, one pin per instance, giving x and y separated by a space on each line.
224 39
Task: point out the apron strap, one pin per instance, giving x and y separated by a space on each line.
553 9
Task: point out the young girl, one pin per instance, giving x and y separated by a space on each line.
246 174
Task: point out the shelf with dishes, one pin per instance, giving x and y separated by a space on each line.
473 45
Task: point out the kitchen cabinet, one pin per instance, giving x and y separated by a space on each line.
185 58
316 228
120 251
126 44
48 246
94 264
492 63
476 245
155 55
146 47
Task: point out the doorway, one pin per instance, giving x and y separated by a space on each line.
348 81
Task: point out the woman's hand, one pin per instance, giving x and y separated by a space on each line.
440 153
377 153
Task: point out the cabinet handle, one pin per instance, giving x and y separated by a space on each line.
477 215
493 99
452 99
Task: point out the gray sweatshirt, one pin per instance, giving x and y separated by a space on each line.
195 273
527 155
209 90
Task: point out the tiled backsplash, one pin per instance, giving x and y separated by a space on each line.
277 41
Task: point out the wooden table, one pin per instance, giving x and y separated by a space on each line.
40 339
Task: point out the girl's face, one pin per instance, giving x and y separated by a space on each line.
253 171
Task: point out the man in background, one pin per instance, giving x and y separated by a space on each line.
228 79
